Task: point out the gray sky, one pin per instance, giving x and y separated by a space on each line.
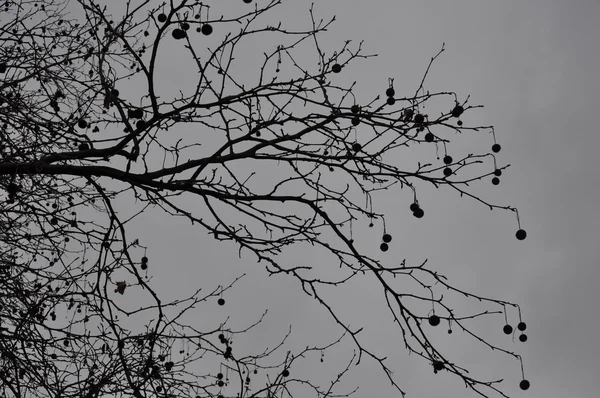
532 65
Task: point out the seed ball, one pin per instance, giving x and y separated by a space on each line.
285 373
178 34
390 101
447 171
162 17
429 137
185 26
337 68
134 114
449 331
495 181
414 207
497 172
221 301
354 109
144 266
355 121
356 147
387 238
521 326
53 221
144 259
419 118
521 234
447 159
438 365
460 123
219 376
390 92
434 320
384 247
496 148
524 384
419 213
507 329
84 146
457 111
82 124
247 1
206 29
221 383
523 338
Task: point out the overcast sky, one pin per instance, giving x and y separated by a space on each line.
533 65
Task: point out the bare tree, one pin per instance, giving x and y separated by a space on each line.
90 120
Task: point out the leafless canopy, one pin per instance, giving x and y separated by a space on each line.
93 114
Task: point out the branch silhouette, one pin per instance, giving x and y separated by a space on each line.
161 102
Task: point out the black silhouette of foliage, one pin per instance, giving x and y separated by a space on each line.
87 123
